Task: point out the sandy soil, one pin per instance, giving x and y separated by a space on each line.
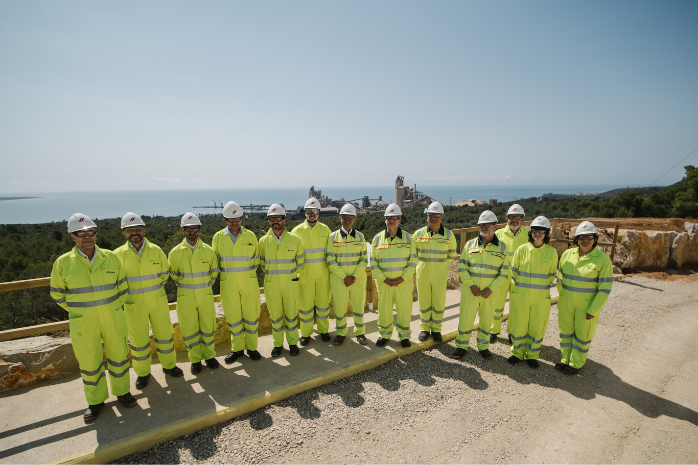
633 402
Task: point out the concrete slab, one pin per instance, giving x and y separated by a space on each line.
43 423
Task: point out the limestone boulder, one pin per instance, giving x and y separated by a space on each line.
453 278
560 246
691 231
26 361
680 251
644 249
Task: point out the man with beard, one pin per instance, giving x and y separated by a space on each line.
147 269
314 282
194 268
281 256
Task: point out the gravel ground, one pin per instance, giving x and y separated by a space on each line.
628 404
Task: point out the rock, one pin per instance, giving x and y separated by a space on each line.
559 246
453 278
680 252
644 249
691 228
26 361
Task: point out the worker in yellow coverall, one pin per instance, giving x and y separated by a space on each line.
484 270
147 269
584 281
346 257
393 263
89 283
194 268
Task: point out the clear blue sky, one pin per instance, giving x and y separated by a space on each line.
175 94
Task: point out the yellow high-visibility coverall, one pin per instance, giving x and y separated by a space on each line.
533 272
314 283
281 262
346 256
486 266
584 285
238 262
93 296
392 258
513 243
194 273
434 252
146 302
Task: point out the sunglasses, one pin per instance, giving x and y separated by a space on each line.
191 230
88 233
585 238
515 217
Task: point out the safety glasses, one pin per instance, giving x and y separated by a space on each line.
86 232
192 230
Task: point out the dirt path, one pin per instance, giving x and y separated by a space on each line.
634 402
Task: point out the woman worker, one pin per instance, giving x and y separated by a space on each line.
533 269
584 280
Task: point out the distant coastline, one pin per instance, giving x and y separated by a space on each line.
19 198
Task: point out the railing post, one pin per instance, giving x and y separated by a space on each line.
553 230
615 242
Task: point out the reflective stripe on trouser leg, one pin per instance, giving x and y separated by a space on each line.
501 297
386 300
403 308
275 305
340 299
232 308
314 295
207 326
357 297
485 314
137 322
290 304
161 325
584 331
251 311
517 326
537 325
565 323
466 318
188 317
87 345
437 306
116 349
424 297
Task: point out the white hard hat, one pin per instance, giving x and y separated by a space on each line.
131 219
348 209
312 202
78 222
436 207
586 227
232 210
516 209
393 210
190 219
541 222
487 217
276 210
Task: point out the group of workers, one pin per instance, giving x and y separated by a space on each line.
115 298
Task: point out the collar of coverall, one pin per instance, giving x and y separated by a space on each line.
397 234
494 241
351 233
440 231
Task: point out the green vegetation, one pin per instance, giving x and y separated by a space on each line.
28 251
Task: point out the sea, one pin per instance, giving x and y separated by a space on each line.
58 206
